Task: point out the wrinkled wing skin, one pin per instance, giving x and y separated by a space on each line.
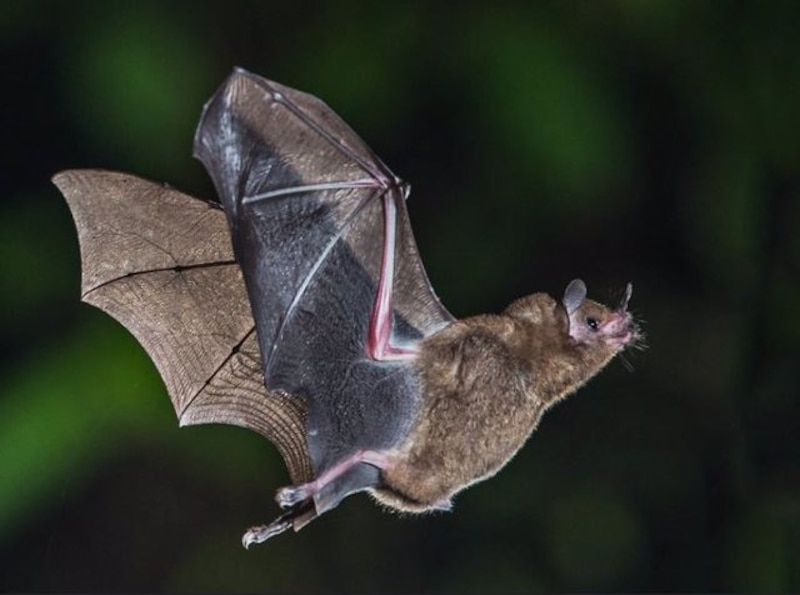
303 195
161 263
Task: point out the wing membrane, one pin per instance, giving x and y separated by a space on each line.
303 195
161 263
265 142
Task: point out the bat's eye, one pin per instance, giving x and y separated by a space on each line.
592 323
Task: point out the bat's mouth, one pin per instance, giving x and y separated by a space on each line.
621 330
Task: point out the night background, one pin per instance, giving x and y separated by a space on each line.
656 142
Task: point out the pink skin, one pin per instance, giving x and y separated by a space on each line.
617 330
379 345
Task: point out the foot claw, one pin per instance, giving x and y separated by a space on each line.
296 518
263 532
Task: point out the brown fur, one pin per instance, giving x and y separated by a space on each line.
486 381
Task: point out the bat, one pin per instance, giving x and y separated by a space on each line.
298 307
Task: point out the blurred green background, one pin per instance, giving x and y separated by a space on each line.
645 140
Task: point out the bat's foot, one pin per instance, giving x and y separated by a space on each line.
263 532
296 518
292 495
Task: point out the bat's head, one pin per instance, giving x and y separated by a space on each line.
597 326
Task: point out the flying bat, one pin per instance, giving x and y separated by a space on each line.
298 307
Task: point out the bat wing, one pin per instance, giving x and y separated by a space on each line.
161 263
339 294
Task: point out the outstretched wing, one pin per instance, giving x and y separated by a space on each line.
318 224
161 263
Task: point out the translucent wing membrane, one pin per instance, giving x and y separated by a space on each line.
304 196
161 263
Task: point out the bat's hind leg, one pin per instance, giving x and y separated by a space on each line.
293 495
307 501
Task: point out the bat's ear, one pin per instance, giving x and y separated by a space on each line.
574 296
623 304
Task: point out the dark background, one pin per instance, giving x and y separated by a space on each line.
652 141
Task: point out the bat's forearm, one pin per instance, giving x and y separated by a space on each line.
379 342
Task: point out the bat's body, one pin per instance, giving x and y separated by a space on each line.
311 320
